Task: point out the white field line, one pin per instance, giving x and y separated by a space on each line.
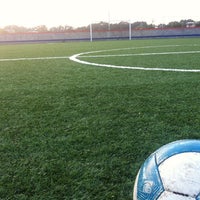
141 54
38 58
66 57
135 48
76 57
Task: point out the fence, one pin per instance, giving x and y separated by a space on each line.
92 35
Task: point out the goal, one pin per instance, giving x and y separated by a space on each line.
110 30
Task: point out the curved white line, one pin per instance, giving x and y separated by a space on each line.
75 59
142 54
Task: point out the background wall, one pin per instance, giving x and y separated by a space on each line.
98 35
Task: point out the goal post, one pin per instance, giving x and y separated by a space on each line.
91 37
110 30
130 31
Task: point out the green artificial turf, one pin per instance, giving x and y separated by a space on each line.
72 131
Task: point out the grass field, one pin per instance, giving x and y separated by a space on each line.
79 132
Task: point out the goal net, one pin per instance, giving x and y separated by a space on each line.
110 30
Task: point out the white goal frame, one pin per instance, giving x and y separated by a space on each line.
111 34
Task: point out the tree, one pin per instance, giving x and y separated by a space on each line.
101 26
139 25
61 28
162 26
197 24
186 21
41 28
174 24
2 31
15 29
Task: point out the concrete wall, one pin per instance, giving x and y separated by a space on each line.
149 33
100 35
43 37
176 32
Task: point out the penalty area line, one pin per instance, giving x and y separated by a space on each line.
37 58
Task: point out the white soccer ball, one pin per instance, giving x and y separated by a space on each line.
170 173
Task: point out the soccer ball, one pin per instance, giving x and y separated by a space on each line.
170 173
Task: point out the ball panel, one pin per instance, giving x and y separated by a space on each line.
176 147
171 196
181 174
148 184
198 197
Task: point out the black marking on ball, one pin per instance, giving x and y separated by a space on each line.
178 193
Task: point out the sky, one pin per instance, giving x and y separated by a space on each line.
31 13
